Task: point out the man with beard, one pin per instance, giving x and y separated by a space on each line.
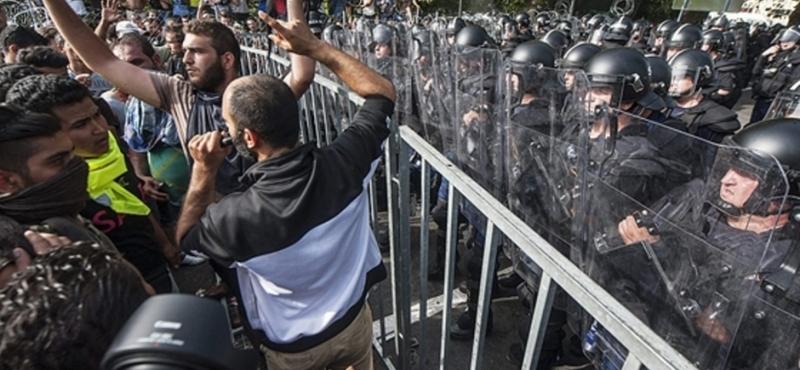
41 182
212 61
299 237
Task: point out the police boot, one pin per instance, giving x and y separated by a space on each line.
464 328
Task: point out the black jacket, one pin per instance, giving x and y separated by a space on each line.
710 121
772 77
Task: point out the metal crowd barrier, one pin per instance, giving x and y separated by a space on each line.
645 348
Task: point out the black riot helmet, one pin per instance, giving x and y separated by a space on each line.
775 138
523 20
642 26
510 30
473 36
619 32
713 40
535 52
764 151
542 21
577 56
503 19
421 45
454 26
316 22
720 23
557 39
695 65
728 42
565 27
660 75
790 34
382 34
596 22
685 37
596 36
666 28
333 34
624 70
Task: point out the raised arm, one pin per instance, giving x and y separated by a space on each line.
108 16
297 38
301 75
96 54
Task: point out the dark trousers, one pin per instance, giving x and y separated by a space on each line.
760 109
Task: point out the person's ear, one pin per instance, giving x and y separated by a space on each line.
251 139
10 182
228 61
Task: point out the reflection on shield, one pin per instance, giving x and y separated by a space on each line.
689 280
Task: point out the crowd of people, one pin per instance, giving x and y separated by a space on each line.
130 145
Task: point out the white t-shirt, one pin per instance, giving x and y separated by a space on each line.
78 7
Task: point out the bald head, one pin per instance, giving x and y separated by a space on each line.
265 106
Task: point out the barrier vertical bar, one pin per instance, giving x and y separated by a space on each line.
453 198
485 296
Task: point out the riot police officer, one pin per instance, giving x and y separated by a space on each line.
776 69
731 231
685 37
693 70
730 70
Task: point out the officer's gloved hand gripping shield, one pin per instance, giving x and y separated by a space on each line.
673 228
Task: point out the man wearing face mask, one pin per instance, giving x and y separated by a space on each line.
118 205
42 183
775 70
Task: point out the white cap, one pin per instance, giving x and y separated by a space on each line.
126 27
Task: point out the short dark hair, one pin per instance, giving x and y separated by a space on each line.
267 106
42 56
64 310
11 73
19 131
21 36
222 38
42 93
135 39
177 29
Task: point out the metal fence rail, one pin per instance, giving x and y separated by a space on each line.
329 101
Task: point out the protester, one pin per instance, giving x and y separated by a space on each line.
306 212
118 205
66 307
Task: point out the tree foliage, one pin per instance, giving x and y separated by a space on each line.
654 10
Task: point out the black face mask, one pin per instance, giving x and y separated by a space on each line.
63 195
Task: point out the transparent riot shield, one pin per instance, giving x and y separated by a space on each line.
786 104
426 86
443 92
673 237
769 336
545 114
478 118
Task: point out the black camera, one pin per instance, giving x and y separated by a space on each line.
177 332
